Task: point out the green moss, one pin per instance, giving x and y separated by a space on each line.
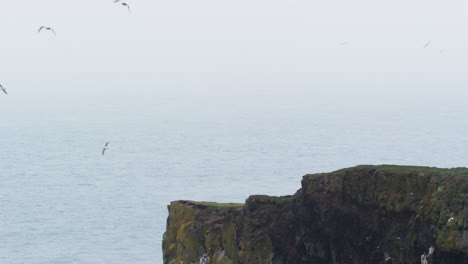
211 238
222 260
272 198
231 235
213 205
462 172
449 241
256 252
230 240
433 193
190 241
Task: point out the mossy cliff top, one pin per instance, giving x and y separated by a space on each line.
364 214
438 195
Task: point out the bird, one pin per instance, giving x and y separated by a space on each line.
105 147
47 28
427 44
3 89
125 4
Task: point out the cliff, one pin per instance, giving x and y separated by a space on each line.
365 214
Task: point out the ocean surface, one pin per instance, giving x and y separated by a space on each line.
62 202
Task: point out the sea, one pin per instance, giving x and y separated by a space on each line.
62 201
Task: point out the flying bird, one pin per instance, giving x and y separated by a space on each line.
47 28
427 44
105 147
3 89
125 4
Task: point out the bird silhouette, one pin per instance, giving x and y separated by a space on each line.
3 89
127 5
105 147
46 28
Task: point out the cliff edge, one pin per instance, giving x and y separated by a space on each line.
365 214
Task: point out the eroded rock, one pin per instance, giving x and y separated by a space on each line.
365 214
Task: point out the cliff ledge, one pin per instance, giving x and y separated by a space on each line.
365 214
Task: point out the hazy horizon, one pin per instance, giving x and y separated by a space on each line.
180 53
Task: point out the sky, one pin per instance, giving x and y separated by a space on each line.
219 52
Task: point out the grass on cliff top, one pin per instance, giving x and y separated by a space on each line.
214 205
272 198
462 172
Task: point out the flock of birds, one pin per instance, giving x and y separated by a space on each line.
106 146
53 31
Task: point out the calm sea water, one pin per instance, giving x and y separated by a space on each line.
62 202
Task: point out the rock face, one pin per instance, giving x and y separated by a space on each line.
360 215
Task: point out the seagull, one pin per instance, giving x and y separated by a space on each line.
427 44
47 28
125 4
3 89
105 147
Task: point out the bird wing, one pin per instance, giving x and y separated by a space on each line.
53 31
427 44
128 7
4 90
107 143
41 28
103 150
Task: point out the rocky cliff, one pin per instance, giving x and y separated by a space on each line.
365 214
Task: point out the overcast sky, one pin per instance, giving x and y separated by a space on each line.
299 49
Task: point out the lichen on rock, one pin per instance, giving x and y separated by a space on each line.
365 214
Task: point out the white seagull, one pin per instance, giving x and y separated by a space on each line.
427 44
105 147
47 28
3 89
